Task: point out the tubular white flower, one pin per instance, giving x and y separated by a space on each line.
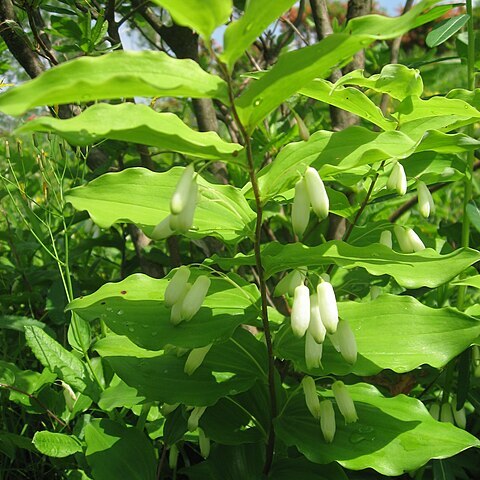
316 327
194 298
300 316
446 414
184 220
415 241
182 191
290 281
425 200
311 396
195 359
327 304
203 443
176 286
162 230
347 342
176 311
317 193
334 341
300 209
344 402
386 238
69 395
313 352
193 419
327 420
397 179
435 411
403 239
173 457
459 416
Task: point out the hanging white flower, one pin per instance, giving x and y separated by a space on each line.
397 179
327 420
300 315
425 200
347 342
317 193
311 396
316 327
327 304
300 209
195 359
344 402
313 352
176 286
194 298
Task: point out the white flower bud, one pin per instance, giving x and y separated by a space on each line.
302 128
290 282
425 200
300 209
459 416
182 191
397 179
194 298
403 239
162 230
313 352
300 316
203 443
446 414
316 328
317 193
311 396
176 286
176 311
193 419
386 238
435 411
415 242
344 402
347 342
69 396
184 220
327 420
327 304
195 359
173 457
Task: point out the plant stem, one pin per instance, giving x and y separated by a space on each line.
467 195
261 279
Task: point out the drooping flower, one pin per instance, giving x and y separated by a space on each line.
203 443
415 241
194 298
386 238
300 209
446 414
176 311
195 359
344 402
327 303
311 396
397 179
425 200
317 193
194 418
435 411
327 420
176 286
290 282
300 316
316 327
408 240
162 230
313 352
347 342
181 194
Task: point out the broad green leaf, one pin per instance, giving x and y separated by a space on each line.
474 215
134 307
115 451
200 15
130 122
297 68
413 270
470 281
241 33
143 197
229 368
56 445
58 360
118 74
398 81
394 332
349 99
118 394
442 32
392 435
15 322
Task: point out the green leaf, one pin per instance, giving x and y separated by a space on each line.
349 99
442 32
241 33
130 122
392 435
115 451
118 74
229 368
474 215
200 15
141 196
398 81
58 360
413 270
56 445
288 468
15 322
134 307
470 281
394 332
297 68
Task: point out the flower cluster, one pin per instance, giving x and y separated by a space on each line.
448 413
323 410
182 207
309 190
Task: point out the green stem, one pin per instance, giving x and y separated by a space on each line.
467 195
